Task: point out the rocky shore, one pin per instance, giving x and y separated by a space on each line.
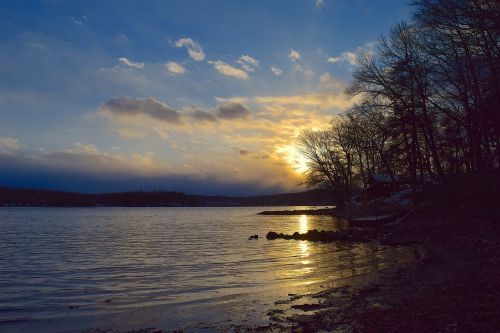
452 286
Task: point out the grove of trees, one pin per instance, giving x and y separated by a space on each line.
427 103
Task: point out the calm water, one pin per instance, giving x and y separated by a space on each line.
66 270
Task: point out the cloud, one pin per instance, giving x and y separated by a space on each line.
276 70
305 71
76 21
174 68
100 172
128 133
294 55
130 63
256 125
243 152
194 49
127 107
202 116
322 101
235 99
329 83
229 70
248 63
9 143
349 57
319 3
232 110
87 148
150 107
122 39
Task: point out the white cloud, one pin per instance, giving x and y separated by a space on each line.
305 71
234 99
229 70
9 143
194 49
347 56
329 83
76 21
319 3
294 55
174 68
248 63
87 148
130 63
276 70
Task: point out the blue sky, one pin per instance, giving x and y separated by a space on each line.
197 96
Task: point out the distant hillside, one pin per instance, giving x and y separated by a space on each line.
48 198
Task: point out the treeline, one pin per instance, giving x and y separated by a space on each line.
427 103
47 198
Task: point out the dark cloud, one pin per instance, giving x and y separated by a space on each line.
142 106
265 156
232 110
89 173
202 116
153 108
243 152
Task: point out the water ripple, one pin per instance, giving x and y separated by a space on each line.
106 260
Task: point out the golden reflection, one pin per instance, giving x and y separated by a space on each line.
304 248
303 224
309 282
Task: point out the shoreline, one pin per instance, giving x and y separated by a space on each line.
442 291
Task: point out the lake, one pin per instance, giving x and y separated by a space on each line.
73 269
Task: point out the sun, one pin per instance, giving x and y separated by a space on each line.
294 158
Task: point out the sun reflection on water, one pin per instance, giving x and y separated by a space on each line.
303 224
304 249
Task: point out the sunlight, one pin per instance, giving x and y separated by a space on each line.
303 228
303 224
304 248
294 158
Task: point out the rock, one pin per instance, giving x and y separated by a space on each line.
348 235
284 301
253 237
307 307
379 306
271 235
302 319
274 312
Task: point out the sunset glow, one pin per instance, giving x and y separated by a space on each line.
96 99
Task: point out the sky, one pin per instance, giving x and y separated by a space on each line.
197 96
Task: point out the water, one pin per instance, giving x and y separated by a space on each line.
66 270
